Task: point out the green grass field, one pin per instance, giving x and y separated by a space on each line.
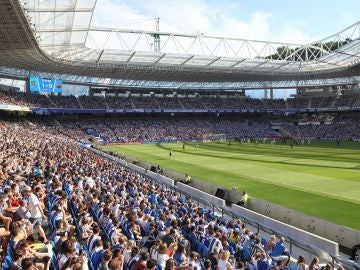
321 180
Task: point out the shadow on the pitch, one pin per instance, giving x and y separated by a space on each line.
162 146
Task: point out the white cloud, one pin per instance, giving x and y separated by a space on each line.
192 16
294 34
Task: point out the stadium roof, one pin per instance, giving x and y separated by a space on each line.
57 38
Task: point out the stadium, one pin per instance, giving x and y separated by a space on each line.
141 148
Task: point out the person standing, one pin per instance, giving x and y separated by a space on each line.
244 199
35 211
280 250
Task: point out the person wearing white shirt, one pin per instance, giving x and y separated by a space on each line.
89 181
223 262
35 211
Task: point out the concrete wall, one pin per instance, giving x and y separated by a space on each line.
291 232
340 234
343 235
201 194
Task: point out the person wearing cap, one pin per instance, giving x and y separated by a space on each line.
35 211
3 206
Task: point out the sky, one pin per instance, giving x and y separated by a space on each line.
298 22
294 21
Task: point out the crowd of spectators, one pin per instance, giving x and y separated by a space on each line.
169 103
274 103
145 102
24 99
339 130
120 103
348 100
168 129
192 103
322 102
102 216
298 103
150 130
93 102
69 102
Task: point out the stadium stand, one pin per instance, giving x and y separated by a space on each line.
65 102
65 207
193 103
124 102
297 103
93 102
99 213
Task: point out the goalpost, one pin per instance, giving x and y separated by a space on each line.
214 137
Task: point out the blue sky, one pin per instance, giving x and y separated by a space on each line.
277 20
298 22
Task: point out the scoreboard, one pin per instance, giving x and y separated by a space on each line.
38 84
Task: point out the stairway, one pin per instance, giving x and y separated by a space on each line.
79 103
106 104
57 123
286 104
309 104
284 132
132 103
264 104
181 104
51 101
333 102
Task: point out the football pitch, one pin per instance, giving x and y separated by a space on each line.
320 179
